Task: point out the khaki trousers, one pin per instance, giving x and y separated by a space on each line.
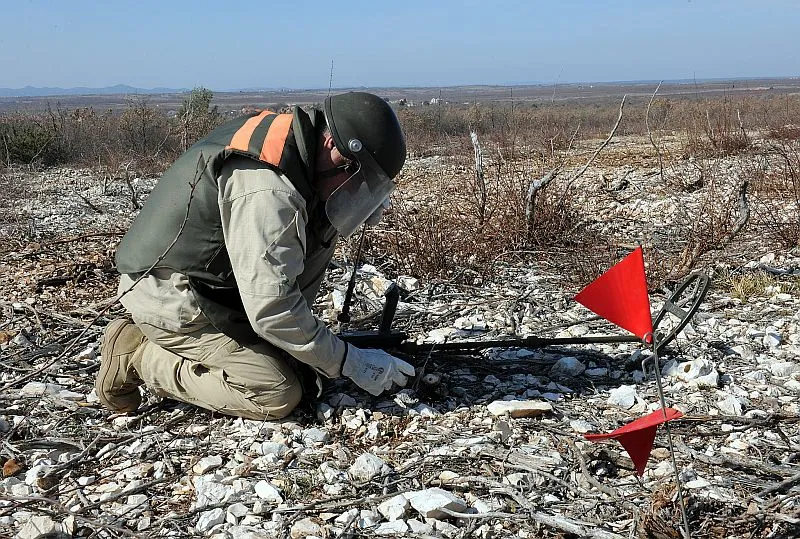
211 370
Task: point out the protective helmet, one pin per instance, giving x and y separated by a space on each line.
370 119
364 129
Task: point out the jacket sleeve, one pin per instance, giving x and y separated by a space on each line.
263 222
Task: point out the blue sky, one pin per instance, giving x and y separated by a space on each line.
266 44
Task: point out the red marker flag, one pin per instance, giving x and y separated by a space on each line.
637 436
620 296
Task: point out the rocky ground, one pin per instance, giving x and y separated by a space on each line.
484 444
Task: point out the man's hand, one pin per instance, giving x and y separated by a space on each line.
374 370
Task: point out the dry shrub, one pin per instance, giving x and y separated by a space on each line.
777 189
446 232
784 132
457 224
720 214
715 129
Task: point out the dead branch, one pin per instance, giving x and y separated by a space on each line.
134 194
533 190
85 237
580 529
591 479
89 203
691 253
650 134
480 179
598 150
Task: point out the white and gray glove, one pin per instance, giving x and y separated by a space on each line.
374 370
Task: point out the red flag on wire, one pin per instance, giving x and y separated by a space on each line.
637 436
620 296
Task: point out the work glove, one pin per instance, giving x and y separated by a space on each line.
374 370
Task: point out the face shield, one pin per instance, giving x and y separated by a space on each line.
360 195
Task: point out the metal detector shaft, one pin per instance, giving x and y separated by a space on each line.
681 304
397 340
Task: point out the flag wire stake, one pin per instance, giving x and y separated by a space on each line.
686 531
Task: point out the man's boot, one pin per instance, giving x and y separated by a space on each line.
117 383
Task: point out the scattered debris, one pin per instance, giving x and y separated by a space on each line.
485 445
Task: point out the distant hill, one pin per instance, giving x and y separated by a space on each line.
31 91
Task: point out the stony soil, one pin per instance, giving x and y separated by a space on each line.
447 456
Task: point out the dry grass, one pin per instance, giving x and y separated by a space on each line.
458 222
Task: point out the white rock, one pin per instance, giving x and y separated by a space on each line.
315 436
430 502
331 473
730 405
710 380
209 519
247 531
237 510
448 475
688 370
418 527
69 525
19 490
268 492
746 352
37 389
139 501
519 408
348 516
367 519
86 480
394 508
440 335
408 283
367 467
697 483
772 340
38 526
623 396
471 441
567 366
206 464
425 411
792 385
493 380
446 529
581 426
306 527
516 479
783 368
396 527
209 491
35 472
274 448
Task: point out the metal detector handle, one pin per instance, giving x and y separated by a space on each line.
392 296
344 316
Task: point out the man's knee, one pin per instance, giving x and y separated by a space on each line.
279 404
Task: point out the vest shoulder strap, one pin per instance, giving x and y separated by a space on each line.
263 137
